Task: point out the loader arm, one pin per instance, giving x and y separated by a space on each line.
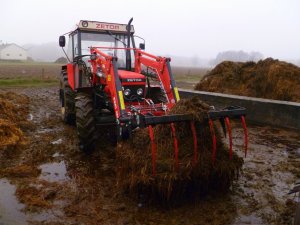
107 65
163 69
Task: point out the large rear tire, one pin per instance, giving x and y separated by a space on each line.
85 122
67 100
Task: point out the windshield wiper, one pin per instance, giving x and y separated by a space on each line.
116 38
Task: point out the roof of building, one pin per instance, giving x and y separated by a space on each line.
3 46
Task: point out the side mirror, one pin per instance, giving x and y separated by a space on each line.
62 41
142 46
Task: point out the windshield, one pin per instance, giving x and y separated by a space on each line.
106 40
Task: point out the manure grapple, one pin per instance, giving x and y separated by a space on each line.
108 82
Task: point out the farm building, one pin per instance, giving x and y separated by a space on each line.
12 52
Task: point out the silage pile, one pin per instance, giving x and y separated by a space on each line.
269 78
13 116
134 165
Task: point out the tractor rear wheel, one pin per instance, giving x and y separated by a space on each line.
85 122
67 100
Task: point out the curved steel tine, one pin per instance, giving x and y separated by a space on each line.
227 121
153 149
195 142
175 146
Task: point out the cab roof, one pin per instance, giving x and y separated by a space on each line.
103 26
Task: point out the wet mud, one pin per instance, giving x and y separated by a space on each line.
47 180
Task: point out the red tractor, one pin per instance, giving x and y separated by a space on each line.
110 81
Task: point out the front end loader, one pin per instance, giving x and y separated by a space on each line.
111 82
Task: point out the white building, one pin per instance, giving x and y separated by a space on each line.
12 52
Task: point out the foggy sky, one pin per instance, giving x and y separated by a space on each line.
184 28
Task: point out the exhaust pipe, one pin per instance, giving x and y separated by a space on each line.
128 55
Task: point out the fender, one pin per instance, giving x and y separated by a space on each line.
70 70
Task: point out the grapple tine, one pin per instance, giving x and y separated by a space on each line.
153 149
214 140
195 142
175 147
245 134
222 122
227 121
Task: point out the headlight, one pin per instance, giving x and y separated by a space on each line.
85 23
127 92
139 91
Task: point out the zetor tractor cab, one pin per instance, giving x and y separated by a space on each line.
109 81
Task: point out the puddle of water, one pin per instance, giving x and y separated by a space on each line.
281 185
247 219
44 130
30 117
57 154
10 208
54 172
57 142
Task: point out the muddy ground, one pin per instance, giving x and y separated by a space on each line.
49 181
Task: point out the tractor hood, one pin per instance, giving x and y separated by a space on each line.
128 76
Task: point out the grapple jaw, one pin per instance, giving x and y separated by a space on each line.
223 116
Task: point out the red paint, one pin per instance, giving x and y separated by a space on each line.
159 64
123 74
153 149
227 121
195 142
70 70
104 26
176 151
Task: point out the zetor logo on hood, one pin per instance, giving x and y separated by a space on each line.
134 80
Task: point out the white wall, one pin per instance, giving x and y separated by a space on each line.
13 52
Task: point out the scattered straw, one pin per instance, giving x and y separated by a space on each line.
269 78
134 165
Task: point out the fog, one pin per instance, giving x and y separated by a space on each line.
198 29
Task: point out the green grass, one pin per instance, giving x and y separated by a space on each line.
191 75
188 78
29 70
28 83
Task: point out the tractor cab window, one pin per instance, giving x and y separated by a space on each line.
105 40
76 47
70 48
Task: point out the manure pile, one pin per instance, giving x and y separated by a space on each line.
134 160
13 117
269 78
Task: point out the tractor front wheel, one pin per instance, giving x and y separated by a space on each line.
85 122
67 100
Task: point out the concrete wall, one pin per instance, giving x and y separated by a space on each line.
265 111
13 52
